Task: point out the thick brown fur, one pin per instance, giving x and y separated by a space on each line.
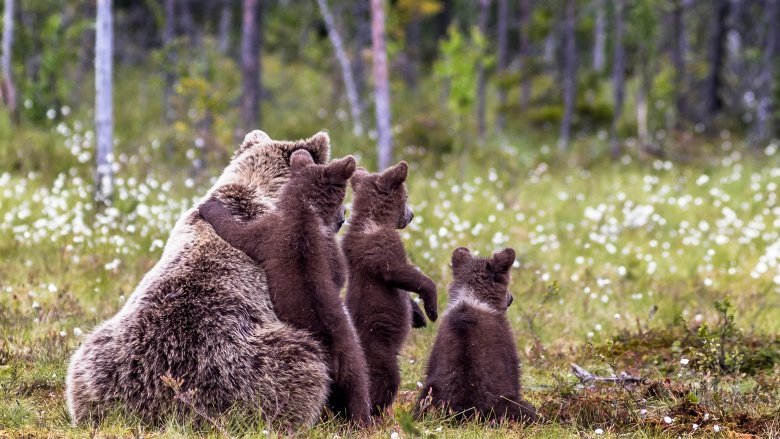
473 370
296 246
203 315
380 276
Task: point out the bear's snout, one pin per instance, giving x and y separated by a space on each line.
406 218
509 300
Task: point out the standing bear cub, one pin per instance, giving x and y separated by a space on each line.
380 276
295 244
473 369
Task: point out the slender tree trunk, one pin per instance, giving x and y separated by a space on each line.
717 55
169 32
104 120
643 131
225 24
618 74
678 59
569 74
503 29
484 9
187 23
250 65
411 53
346 70
764 126
7 90
381 85
362 12
525 46
600 37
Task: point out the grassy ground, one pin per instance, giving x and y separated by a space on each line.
664 270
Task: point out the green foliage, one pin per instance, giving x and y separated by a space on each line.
208 85
51 44
456 70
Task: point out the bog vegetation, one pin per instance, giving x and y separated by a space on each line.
647 234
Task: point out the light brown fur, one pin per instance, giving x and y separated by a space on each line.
203 315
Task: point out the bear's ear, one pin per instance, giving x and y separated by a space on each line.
319 147
460 256
342 169
358 178
394 176
502 261
300 159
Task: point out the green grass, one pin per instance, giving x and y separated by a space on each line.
620 267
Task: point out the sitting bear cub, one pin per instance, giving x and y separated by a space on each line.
473 369
380 276
296 246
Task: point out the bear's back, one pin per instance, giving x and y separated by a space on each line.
474 359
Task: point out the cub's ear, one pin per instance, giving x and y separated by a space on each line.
300 159
460 256
502 261
319 147
394 176
359 177
342 169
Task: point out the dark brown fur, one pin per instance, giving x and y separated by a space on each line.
473 369
296 246
380 276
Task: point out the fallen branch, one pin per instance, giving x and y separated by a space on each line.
586 377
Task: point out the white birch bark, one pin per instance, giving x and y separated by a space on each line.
7 91
104 121
355 108
381 85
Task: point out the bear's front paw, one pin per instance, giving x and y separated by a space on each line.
431 305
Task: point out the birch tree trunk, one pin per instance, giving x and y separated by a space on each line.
484 8
355 108
381 85
600 37
503 17
7 90
569 74
618 75
525 20
250 65
104 121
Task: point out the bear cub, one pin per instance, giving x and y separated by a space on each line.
473 369
296 246
380 276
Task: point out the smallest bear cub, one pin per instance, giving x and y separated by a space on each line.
380 276
473 369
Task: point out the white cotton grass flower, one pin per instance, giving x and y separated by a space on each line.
77 332
598 431
668 420
395 435
716 428
684 361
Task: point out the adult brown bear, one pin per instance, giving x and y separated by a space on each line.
203 315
